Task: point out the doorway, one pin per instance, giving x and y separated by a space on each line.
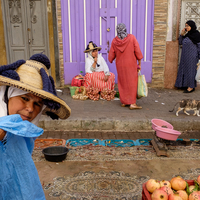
26 28
96 20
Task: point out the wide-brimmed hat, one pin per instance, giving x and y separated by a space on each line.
91 46
32 76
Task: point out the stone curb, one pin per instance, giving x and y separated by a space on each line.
114 125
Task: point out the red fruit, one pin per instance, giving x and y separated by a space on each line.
174 196
195 196
167 189
152 184
165 183
191 188
159 194
178 183
198 179
183 194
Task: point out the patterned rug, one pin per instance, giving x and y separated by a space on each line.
102 186
112 185
102 153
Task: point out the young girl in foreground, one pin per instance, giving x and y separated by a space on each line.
26 91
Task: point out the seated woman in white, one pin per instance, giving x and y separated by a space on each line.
97 71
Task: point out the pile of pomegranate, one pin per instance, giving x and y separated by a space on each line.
108 94
92 93
175 189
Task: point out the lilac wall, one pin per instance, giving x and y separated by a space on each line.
76 35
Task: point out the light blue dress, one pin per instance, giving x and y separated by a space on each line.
19 178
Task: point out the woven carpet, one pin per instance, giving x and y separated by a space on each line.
102 153
112 185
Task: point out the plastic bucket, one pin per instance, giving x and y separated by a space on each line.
167 133
72 90
160 123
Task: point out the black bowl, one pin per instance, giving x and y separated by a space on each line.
55 153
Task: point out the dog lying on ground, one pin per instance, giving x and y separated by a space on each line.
186 105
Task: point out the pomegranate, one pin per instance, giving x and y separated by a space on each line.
167 189
174 196
198 179
195 195
178 183
191 188
159 194
152 184
165 183
183 194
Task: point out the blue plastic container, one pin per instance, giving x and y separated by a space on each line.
82 141
119 143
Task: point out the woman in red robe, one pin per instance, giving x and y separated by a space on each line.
125 48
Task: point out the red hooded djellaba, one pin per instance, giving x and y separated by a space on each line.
125 48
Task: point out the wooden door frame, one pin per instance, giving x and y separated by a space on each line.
50 16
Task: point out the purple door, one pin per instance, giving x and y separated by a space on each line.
96 20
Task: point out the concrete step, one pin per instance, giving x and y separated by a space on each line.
103 135
130 125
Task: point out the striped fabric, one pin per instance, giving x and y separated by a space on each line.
96 80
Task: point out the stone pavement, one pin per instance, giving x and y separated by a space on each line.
107 119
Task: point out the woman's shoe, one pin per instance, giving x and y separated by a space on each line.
186 91
132 107
124 105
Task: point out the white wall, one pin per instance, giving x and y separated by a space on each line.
169 23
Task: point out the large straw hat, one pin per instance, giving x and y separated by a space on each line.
32 76
92 46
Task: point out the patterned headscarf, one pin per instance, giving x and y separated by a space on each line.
121 31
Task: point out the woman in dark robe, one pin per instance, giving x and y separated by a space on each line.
190 41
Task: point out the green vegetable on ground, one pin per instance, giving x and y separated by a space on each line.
117 94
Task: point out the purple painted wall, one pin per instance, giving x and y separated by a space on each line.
74 58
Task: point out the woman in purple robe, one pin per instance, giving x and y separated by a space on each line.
190 41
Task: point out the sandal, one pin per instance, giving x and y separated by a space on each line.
187 91
123 105
132 107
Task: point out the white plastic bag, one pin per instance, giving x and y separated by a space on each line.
142 90
197 77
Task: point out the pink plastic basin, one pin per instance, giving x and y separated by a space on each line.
166 133
160 123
